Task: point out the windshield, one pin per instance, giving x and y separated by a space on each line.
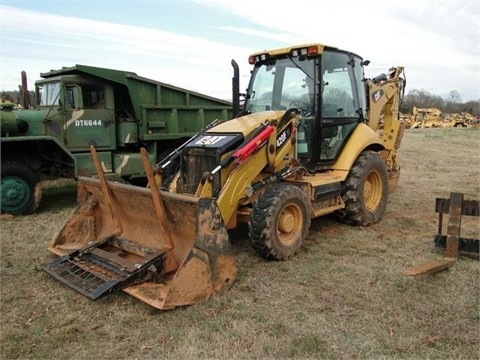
48 94
282 84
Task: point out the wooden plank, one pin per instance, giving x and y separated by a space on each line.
112 258
430 267
469 207
454 224
122 262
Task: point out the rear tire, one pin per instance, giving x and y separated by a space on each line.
20 190
365 191
279 222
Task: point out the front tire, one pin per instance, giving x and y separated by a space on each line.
20 190
279 221
365 191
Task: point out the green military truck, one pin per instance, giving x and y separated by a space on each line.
116 111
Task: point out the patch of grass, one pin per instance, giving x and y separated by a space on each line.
307 346
342 297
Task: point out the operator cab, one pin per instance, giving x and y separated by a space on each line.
324 84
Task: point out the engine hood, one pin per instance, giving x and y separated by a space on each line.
246 124
23 122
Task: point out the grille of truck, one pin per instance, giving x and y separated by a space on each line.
195 162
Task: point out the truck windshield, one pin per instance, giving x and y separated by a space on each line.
48 94
282 84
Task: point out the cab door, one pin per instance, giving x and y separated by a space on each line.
90 121
340 103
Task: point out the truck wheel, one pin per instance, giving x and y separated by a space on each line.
279 221
365 190
20 188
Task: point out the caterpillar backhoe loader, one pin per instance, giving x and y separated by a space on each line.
306 142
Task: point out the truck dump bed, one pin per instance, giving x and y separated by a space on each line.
164 111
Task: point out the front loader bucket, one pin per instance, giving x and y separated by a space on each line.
117 238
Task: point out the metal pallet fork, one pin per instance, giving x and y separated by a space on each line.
105 267
455 207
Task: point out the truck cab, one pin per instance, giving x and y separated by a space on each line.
79 112
117 112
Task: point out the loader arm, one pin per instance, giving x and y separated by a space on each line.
263 155
239 180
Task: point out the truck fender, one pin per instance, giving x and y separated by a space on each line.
24 142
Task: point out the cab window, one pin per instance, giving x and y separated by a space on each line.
93 96
337 87
49 94
339 116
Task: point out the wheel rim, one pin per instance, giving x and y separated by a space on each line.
372 191
290 223
15 193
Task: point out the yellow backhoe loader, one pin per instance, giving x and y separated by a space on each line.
304 143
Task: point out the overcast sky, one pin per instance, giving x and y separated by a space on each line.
190 43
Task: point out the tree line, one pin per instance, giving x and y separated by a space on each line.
452 104
15 96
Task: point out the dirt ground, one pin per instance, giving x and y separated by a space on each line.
342 297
